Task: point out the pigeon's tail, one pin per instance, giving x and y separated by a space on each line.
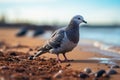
45 48
38 54
42 50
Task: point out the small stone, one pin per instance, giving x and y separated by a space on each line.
13 54
68 65
115 66
111 72
99 73
30 49
58 74
83 75
87 70
47 78
19 77
4 67
106 76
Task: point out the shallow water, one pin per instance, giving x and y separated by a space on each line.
101 40
106 52
106 35
110 61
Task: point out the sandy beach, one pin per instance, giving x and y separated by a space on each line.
82 59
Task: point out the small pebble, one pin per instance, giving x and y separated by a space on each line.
115 66
13 54
68 65
19 77
87 70
4 67
83 75
99 73
106 76
111 72
58 74
30 49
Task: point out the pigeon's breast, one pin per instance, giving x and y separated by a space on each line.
67 44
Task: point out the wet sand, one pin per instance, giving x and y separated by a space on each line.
29 45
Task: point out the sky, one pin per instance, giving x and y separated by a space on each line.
61 11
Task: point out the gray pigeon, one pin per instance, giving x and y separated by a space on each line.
63 40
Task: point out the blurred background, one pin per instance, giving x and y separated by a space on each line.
48 15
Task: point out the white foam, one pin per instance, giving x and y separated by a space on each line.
101 48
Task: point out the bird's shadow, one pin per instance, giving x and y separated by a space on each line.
81 61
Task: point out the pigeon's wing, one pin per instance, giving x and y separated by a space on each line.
56 38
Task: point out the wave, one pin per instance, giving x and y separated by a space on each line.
100 47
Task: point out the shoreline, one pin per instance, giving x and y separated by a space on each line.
100 47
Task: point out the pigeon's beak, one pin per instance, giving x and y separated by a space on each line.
84 21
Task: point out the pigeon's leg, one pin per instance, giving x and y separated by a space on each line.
58 58
66 58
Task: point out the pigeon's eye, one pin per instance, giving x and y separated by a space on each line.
78 18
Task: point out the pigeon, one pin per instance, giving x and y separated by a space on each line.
62 40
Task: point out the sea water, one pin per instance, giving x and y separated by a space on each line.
101 40
108 35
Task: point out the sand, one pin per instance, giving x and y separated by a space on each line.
29 45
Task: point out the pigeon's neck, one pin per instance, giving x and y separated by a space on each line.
72 32
73 25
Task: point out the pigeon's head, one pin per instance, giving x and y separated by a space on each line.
78 19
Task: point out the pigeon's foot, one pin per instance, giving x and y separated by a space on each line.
66 59
59 61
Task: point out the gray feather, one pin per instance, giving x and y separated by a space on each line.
56 39
72 32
